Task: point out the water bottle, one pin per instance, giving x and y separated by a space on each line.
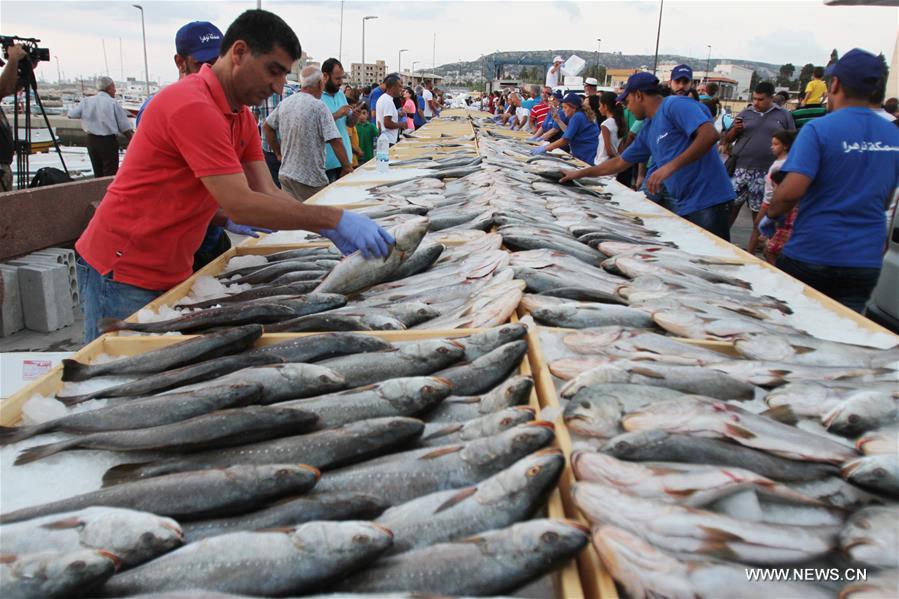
383 153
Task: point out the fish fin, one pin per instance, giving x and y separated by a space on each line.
73 370
739 431
73 522
107 325
719 550
646 372
38 452
783 414
716 535
14 434
71 400
449 429
441 452
122 473
802 349
458 497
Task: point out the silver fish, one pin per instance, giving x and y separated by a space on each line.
871 537
49 574
446 433
485 372
413 359
878 473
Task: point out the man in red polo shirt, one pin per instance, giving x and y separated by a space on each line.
197 156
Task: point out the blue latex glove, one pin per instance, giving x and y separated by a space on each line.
538 150
358 232
768 226
534 138
245 229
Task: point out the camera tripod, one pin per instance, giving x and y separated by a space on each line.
23 145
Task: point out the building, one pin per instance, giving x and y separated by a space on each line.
304 61
373 73
742 76
617 77
419 78
732 79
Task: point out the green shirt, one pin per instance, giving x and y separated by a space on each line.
809 113
629 118
367 133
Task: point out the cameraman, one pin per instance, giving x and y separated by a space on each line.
8 79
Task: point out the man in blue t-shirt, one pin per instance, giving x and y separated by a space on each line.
679 135
335 100
842 172
581 137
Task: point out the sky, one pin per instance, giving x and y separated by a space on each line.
800 31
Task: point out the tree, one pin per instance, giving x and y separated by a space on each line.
805 75
785 75
754 80
833 57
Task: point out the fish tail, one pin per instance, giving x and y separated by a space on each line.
72 400
14 434
123 473
108 325
39 452
73 370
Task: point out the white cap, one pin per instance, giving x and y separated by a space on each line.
591 81
558 59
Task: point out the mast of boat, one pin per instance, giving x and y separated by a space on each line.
121 59
105 59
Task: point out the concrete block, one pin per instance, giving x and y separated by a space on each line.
11 317
46 297
62 254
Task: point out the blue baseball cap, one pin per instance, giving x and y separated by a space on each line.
558 95
638 82
858 69
681 71
199 39
573 99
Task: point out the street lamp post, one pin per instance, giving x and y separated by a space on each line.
364 72
340 37
58 72
399 61
655 60
598 45
414 62
708 62
143 29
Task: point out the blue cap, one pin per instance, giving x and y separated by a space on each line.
859 70
638 82
573 99
681 71
199 39
558 95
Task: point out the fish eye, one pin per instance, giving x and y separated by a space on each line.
78 565
621 445
585 404
506 421
853 418
427 389
879 472
147 538
534 470
549 537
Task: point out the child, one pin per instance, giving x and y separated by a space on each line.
780 147
352 118
367 133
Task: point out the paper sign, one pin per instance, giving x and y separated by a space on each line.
32 369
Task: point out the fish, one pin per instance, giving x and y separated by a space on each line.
275 562
363 320
757 506
581 315
142 413
596 410
878 473
658 445
835 491
681 529
688 379
289 512
635 344
646 571
260 275
210 431
421 260
881 440
131 537
408 396
355 273
446 433
769 374
281 382
412 359
348 444
311 348
480 344
190 351
489 563
172 379
512 392
400 477
188 495
693 485
811 351
257 293
871 537
875 586
300 276
231 315
484 373
861 411
703 417
510 496
49 574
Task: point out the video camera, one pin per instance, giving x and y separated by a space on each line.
33 53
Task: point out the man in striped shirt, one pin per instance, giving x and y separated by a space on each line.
540 110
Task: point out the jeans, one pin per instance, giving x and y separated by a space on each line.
274 165
101 297
333 174
714 219
850 286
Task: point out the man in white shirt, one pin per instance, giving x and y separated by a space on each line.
428 96
554 72
102 118
387 116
